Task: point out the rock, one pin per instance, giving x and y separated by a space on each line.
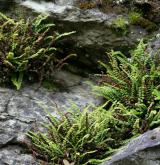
143 150
154 45
95 33
13 155
20 111
151 9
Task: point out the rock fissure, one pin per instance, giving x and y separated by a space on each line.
7 103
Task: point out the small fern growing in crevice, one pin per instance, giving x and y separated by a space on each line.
83 137
28 48
132 81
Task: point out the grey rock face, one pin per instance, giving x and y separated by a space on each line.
20 111
94 32
13 155
144 150
154 45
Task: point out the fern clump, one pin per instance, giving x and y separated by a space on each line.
86 137
132 81
28 48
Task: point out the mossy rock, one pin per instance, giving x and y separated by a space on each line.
146 24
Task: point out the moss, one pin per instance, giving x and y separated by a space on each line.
134 17
87 5
146 24
120 25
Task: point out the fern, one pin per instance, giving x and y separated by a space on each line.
134 82
17 81
86 137
131 78
28 48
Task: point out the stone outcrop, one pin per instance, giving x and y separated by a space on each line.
20 111
143 150
95 33
151 9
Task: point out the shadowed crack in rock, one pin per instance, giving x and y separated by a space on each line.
7 103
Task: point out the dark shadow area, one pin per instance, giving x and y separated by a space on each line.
6 5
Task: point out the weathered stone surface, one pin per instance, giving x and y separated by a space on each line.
143 150
151 8
20 112
13 155
154 45
94 32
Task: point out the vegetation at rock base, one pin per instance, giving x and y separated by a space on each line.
83 137
132 91
134 82
130 86
136 13
28 49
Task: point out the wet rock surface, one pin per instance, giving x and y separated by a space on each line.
144 150
20 111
